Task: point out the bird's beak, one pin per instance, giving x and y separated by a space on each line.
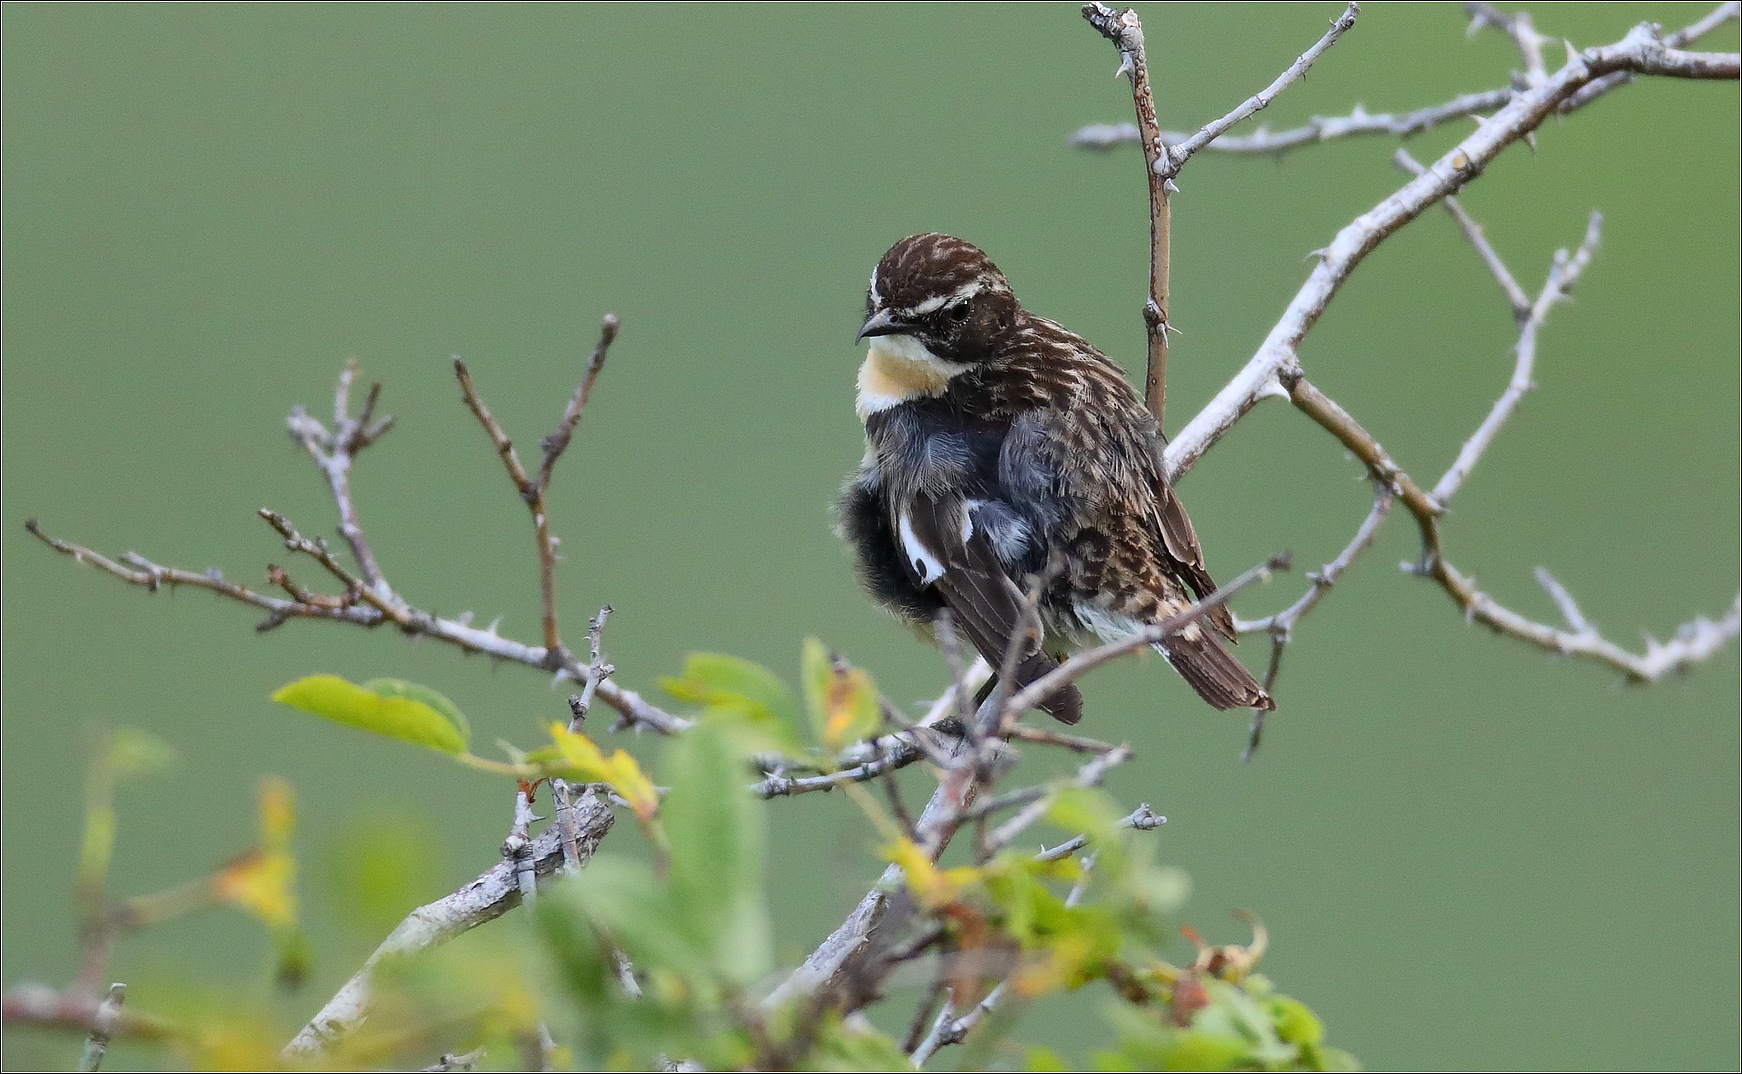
881 323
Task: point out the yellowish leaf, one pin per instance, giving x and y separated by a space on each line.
581 758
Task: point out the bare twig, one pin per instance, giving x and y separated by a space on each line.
901 753
1520 29
532 490
102 1026
597 669
1359 122
1176 155
35 1004
1126 32
333 451
411 621
1280 626
1561 278
1639 52
492 894
1143 819
558 441
1089 775
517 848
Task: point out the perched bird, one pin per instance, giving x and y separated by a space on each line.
1000 449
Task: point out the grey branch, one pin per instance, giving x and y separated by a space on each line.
492 894
1359 122
334 450
1262 377
1179 151
102 1026
1520 29
40 1005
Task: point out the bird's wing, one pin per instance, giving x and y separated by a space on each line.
944 550
1180 543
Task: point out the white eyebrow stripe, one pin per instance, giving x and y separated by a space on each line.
876 295
932 305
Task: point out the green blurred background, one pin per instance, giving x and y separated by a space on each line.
1469 854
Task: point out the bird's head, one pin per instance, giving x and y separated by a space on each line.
943 295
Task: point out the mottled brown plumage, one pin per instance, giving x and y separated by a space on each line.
1001 447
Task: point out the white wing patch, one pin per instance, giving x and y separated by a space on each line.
924 560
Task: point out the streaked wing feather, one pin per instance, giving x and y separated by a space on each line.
987 604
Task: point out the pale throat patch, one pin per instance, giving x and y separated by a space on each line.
900 368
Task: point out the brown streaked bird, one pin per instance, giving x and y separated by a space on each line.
1001 447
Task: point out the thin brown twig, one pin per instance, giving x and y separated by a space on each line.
1126 32
558 441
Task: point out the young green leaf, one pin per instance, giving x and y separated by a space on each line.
393 714
417 692
718 840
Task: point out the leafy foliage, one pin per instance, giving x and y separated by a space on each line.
692 919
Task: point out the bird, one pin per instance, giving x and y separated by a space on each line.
1004 452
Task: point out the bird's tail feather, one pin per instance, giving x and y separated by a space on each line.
1064 704
1214 673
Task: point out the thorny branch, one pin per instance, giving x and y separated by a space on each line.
1276 369
366 599
492 894
532 490
1165 155
1360 123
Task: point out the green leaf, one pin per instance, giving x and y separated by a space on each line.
1038 1057
842 701
813 675
1294 1022
392 715
718 840
133 752
416 692
721 681
855 1047
746 700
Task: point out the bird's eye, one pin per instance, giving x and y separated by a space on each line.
958 312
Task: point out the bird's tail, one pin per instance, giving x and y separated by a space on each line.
1064 704
1213 672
